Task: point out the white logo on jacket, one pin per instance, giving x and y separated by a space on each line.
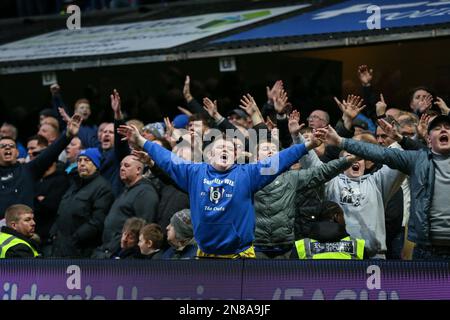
215 194
352 196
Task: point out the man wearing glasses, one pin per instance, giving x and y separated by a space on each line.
17 180
318 119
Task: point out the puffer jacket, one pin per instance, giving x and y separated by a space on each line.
81 215
275 203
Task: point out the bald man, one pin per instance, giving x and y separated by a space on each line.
138 199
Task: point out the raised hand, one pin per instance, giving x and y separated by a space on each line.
315 141
329 135
64 115
354 105
185 111
293 123
143 157
187 89
280 101
275 91
248 104
442 106
73 125
132 135
269 123
381 106
425 103
55 89
365 75
390 129
169 128
116 105
211 108
351 107
422 127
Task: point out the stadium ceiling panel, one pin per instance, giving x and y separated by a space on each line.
347 23
295 27
137 42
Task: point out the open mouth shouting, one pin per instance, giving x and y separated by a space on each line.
355 167
224 157
444 139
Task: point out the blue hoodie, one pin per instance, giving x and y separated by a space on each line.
222 210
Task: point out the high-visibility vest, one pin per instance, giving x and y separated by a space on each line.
346 249
7 241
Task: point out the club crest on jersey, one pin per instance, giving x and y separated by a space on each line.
215 194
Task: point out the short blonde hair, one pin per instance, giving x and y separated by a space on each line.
137 123
80 101
14 212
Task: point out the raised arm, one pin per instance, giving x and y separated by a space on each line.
315 176
265 171
88 138
350 109
192 104
57 102
365 76
392 132
121 149
394 158
283 108
311 159
178 169
42 162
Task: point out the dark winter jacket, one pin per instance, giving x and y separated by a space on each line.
139 200
17 182
188 252
275 203
81 215
52 188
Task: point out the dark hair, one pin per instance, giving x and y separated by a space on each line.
414 90
306 129
134 226
199 117
154 233
328 210
41 140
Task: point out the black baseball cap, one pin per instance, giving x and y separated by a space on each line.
439 119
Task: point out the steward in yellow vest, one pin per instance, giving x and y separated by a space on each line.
327 238
16 237
347 248
14 246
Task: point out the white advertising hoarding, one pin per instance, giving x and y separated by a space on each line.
132 37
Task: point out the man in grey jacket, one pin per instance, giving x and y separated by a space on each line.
138 199
429 172
363 198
